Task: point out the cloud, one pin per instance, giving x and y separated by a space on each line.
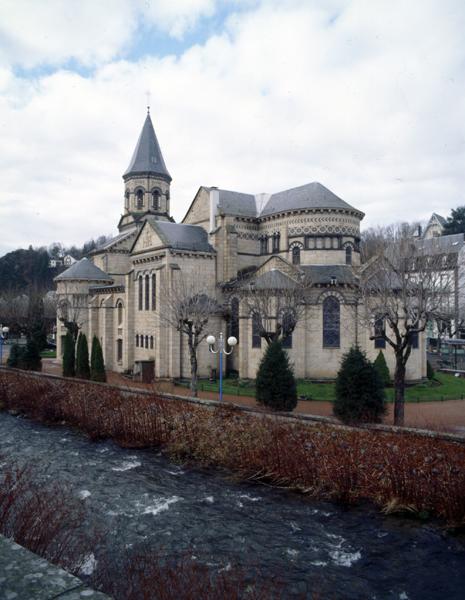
90 32
366 98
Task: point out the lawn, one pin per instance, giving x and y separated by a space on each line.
48 354
445 387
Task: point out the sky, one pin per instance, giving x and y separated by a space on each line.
366 97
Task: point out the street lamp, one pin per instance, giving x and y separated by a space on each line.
211 340
3 336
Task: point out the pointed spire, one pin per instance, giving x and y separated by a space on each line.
147 157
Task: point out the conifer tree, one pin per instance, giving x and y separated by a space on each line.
15 358
69 356
382 368
82 358
97 367
359 390
275 385
30 359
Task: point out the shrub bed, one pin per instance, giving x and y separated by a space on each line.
398 472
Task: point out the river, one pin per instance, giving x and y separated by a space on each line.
143 498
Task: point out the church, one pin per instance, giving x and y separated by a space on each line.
235 246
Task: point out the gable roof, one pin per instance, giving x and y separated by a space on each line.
83 269
441 220
147 157
179 236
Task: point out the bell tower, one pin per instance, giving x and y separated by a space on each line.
146 181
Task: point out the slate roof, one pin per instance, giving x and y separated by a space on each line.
147 157
323 274
84 269
443 244
182 237
441 220
274 280
117 239
311 195
237 203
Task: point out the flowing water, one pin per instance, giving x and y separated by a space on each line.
144 499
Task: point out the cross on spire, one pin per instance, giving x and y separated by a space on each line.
147 94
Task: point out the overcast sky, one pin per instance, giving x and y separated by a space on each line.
367 97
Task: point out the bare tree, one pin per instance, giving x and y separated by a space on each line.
403 288
187 308
72 308
276 301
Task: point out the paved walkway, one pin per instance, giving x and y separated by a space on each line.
26 576
440 416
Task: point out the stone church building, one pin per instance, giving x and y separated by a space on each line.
227 242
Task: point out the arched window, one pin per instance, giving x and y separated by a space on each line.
141 292
137 340
146 341
140 200
296 255
119 350
147 292
126 199
154 291
256 337
331 322
288 324
264 244
348 255
276 238
120 313
380 342
151 342
235 318
156 200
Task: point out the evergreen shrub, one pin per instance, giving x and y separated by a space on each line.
382 368
15 358
360 394
69 356
97 366
82 358
275 385
30 359
429 371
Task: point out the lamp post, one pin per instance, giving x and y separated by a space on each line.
211 341
3 336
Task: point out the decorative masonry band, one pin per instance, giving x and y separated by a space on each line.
282 416
25 575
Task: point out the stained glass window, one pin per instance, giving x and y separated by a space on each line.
147 292
154 291
296 255
379 330
331 322
256 338
141 292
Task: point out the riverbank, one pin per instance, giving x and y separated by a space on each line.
448 415
139 507
398 471
24 575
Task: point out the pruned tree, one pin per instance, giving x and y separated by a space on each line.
401 289
276 301
72 308
188 309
